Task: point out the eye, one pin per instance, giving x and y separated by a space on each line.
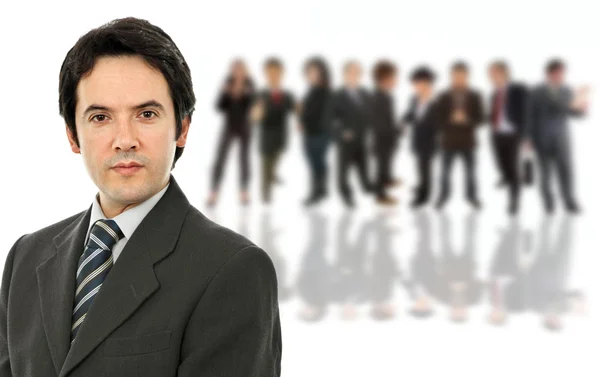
99 118
147 114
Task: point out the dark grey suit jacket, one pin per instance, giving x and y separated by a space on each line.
187 297
548 115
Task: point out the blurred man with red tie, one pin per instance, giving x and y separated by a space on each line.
507 119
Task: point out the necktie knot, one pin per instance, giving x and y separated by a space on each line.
105 234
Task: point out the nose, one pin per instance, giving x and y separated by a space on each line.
126 136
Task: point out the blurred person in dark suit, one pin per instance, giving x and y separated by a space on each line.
550 106
459 112
422 116
508 119
351 118
385 130
316 117
234 102
271 111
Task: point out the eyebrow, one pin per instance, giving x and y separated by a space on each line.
150 103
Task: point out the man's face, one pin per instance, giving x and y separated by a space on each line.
459 79
497 76
389 83
352 75
423 88
273 74
125 114
557 76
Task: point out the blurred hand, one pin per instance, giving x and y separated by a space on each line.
348 135
300 127
459 117
581 100
257 112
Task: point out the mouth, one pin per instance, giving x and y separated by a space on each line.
128 168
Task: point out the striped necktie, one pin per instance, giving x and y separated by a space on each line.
93 267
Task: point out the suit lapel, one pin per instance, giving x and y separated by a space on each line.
56 286
130 282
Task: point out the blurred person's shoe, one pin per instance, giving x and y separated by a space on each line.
313 199
393 182
418 202
573 209
349 201
513 208
387 200
440 204
475 203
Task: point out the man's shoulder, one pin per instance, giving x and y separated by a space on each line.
34 246
212 243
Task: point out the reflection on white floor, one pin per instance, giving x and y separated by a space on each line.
360 294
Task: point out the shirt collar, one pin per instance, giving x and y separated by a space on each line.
128 220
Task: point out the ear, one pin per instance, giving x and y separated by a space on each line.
72 141
185 127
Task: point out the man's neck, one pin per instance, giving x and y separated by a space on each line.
112 209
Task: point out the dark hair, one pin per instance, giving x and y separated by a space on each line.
383 69
501 65
273 62
555 65
319 63
460 65
422 73
127 36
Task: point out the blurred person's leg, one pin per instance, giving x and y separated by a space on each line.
512 172
269 161
219 164
321 163
423 188
344 152
244 138
565 174
447 159
545 161
390 181
470 175
383 168
499 153
507 147
362 164
310 158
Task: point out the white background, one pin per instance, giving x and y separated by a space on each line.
44 182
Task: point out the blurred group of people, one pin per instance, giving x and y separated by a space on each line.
362 125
